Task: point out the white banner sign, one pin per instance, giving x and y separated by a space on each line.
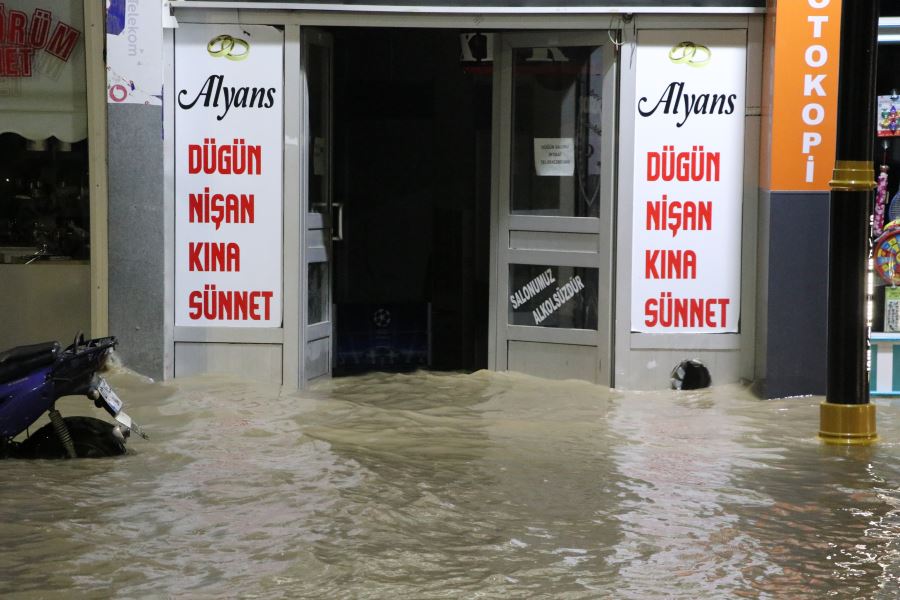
228 175
688 180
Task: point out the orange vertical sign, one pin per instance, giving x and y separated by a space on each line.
804 100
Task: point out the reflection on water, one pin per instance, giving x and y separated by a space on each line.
457 486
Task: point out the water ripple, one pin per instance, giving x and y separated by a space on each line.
430 485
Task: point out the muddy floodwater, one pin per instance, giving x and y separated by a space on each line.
426 485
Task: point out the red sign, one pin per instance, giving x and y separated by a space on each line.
23 37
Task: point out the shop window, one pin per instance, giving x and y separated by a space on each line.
44 205
317 299
44 188
556 131
318 80
552 296
44 201
884 302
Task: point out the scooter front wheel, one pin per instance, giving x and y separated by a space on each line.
93 438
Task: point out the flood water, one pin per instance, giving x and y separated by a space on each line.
487 485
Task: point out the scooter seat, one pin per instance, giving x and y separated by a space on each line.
19 361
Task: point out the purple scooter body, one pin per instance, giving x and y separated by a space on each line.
23 401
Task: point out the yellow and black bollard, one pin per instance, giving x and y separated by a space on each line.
847 416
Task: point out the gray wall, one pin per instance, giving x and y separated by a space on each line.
136 236
793 297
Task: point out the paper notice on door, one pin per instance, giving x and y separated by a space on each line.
554 157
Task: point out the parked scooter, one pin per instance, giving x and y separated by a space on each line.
33 378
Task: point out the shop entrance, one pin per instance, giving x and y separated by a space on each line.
554 204
410 191
459 210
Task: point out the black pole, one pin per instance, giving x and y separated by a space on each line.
847 381
851 199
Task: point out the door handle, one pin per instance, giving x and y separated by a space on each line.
337 234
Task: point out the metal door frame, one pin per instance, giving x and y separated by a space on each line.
315 247
503 222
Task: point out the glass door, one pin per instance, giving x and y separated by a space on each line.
554 192
322 229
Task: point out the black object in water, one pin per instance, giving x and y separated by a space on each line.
690 375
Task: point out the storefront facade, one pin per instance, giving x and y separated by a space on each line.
571 191
52 171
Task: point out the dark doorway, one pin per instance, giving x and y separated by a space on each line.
412 157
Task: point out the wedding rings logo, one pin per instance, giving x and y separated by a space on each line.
689 53
230 47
